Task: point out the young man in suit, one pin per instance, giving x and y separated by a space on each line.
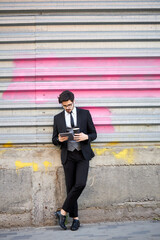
75 154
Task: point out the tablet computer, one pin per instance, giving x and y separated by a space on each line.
66 134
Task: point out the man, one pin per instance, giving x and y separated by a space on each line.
75 154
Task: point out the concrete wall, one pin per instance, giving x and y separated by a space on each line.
123 184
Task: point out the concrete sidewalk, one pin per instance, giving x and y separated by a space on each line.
139 230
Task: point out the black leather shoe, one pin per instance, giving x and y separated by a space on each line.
75 225
61 219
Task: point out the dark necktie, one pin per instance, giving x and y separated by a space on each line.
72 121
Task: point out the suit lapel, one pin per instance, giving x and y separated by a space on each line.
78 118
63 123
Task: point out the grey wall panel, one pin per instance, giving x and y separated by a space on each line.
77 5
108 53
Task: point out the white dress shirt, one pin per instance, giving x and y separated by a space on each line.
68 118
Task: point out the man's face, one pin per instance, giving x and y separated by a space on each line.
68 105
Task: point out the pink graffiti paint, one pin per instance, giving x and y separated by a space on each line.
102 119
94 85
104 129
86 66
42 80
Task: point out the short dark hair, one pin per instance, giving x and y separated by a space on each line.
65 96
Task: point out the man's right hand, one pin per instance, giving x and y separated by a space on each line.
62 139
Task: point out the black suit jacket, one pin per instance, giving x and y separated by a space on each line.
85 123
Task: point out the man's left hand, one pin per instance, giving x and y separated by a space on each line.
78 137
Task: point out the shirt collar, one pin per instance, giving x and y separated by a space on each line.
74 110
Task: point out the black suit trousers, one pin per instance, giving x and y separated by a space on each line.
76 172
